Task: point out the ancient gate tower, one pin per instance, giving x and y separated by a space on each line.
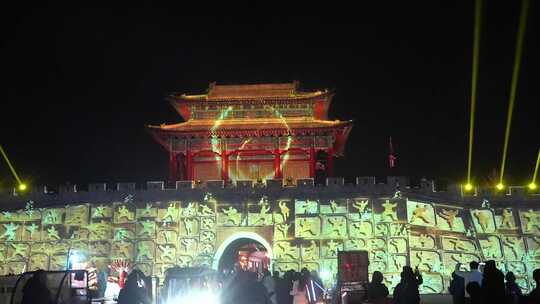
252 132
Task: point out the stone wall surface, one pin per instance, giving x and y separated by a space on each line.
156 230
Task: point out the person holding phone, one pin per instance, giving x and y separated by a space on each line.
474 275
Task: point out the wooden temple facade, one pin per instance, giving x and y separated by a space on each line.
252 132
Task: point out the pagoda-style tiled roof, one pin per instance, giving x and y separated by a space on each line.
217 126
253 128
254 93
258 92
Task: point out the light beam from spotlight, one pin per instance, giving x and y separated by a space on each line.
474 81
22 186
515 77
532 185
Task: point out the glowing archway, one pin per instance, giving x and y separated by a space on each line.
242 235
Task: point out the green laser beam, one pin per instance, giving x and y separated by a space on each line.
515 76
10 165
474 80
536 168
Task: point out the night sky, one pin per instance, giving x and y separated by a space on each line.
80 84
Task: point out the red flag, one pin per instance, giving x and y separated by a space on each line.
391 157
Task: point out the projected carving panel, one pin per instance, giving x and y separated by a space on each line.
302 232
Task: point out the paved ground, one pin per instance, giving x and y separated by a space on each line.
436 299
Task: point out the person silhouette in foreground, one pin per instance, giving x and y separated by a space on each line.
406 291
534 295
134 292
513 291
493 283
299 291
377 292
474 275
35 291
475 293
457 289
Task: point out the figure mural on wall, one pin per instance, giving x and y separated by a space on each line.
262 214
420 214
167 253
99 231
124 213
168 236
208 237
389 211
189 211
39 261
207 223
507 219
233 217
122 250
397 245
512 245
187 244
391 242
398 229
333 206
184 261
450 216
457 244
305 227
207 248
172 212
483 218
311 252
332 248
285 251
77 216
188 224
19 250
52 233
491 247
11 232
147 211
360 205
206 211
284 210
32 230
51 217
337 226
99 211
121 235
283 229
148 228
532 220
425 241
143 251
397 262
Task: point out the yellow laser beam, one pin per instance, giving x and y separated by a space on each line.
11 167
515 76
474 80
532 185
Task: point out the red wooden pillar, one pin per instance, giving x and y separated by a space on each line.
330 162
277 164
173 167
312 160
189 165
224 166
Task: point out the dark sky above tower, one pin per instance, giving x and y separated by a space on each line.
79 84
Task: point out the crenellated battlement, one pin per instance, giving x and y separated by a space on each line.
333 187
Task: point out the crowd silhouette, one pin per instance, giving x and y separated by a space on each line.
490 285
245 287
478 285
